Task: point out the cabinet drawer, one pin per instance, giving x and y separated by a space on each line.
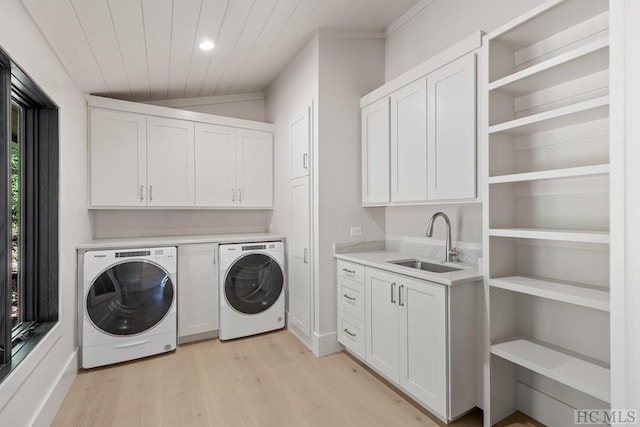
351 271
351 333
351 297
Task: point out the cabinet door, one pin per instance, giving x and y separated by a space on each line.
198 291
299 138
382 340
254 177
215 165
451 125
423 371
170 162
299 277
118 158
375 153
409 143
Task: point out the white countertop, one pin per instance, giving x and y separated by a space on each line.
141 242
380 259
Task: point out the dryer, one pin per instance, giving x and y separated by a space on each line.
128 305
251 288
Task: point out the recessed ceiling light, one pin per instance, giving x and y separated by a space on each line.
206 45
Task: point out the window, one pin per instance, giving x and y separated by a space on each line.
28 214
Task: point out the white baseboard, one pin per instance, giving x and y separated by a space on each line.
325 344
58 391
298 334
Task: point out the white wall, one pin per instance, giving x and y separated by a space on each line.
291 93
332 74
429 28
349 69
441 23
25 392
248 106
172 222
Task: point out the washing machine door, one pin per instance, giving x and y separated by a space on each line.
129 298
253 283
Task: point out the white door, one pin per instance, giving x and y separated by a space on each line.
215 165
382 323
409 143
254 176
299 277
375 153
451 124
118 158
423 368
170 162
198 289
299 137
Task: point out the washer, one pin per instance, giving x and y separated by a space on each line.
128 304
251 289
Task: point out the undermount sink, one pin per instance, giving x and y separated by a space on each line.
426 266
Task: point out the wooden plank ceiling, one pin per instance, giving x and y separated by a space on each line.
144 50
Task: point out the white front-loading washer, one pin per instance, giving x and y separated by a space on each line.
128 306
251 289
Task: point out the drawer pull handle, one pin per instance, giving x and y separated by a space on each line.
348 297
346 331
349 271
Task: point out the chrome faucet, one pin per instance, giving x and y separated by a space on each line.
450 253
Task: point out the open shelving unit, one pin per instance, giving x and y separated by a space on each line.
546 231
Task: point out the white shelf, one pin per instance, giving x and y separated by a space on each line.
586 111
564 292
591 170
547 234
577 63
566 369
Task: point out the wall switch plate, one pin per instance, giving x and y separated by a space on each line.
356 231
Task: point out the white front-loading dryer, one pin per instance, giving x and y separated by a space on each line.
128 305
251 289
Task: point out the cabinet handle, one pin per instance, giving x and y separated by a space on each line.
348 297
141 192
400 303
305 164
346 331
304 256
215 255
349 271
151 193
233 195
393 287
239 195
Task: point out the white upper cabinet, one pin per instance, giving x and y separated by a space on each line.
255 169
299 138
409 143
451 130
419 132
118 158
149 156
215 165
234 167
170 162
375 153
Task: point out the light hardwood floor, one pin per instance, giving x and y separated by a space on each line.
267 380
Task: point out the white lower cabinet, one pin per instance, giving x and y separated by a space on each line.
418 334
198 291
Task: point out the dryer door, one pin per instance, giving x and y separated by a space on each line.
129 298
253 284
